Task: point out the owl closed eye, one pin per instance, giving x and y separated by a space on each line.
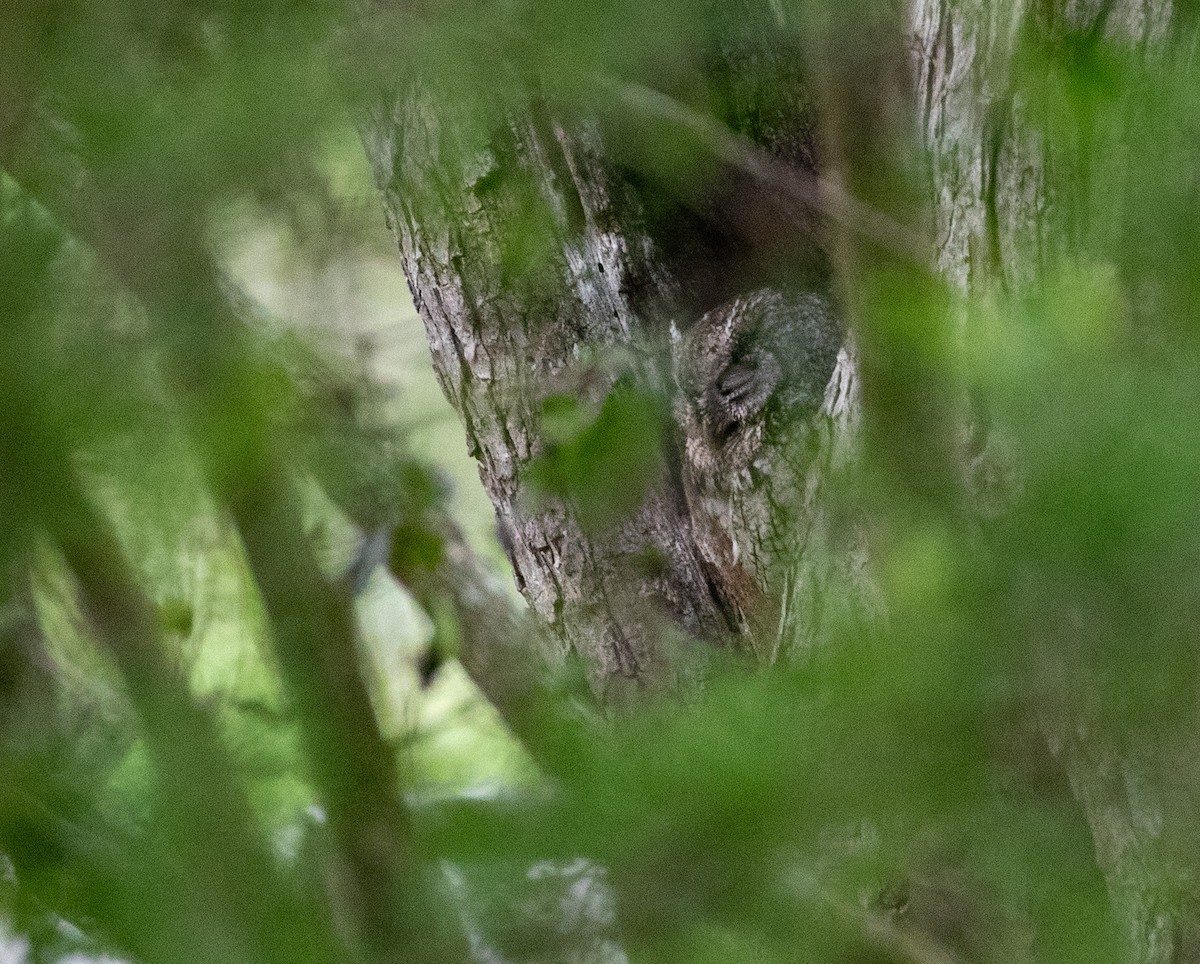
741 391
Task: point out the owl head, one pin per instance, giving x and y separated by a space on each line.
749 370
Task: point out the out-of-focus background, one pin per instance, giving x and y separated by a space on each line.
213 750
344 292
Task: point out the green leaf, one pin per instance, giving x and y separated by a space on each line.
604 466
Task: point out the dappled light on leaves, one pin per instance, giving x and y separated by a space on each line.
832 587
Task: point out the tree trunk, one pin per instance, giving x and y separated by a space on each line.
542 271
505 338
543 268
999 224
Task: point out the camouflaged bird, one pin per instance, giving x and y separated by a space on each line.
751 375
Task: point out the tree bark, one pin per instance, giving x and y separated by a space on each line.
618 298
503 344
611 299
999 224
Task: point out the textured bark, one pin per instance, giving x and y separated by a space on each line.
735 539
502 345
591 311
999 223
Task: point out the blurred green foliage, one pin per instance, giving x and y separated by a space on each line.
603 463
180 782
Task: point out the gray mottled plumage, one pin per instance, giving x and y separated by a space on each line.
751 375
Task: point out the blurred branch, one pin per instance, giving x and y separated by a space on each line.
156 251
234 899
501 655
26 671
896 305
229 864
804 195
505 653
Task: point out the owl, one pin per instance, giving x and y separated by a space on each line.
751 374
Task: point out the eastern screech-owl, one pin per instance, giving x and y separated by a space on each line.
751 375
